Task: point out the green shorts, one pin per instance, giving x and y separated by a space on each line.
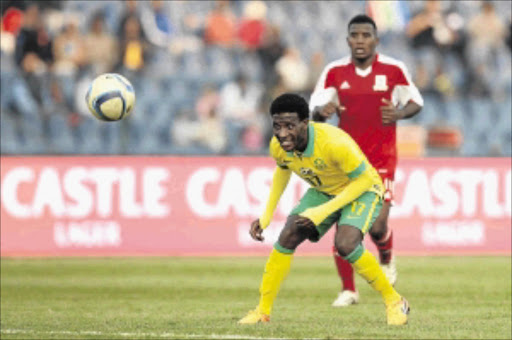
360 213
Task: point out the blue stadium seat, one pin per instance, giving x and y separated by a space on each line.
482 116
88 136
60 135
455 113
8 137
506 143
432 111
172 83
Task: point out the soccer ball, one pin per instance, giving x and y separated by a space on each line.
110 97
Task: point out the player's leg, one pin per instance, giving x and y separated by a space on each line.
382 235
348 294
279 261
355 221
276 269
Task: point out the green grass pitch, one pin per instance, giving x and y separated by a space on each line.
202 298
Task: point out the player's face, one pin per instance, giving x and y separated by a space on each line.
362 41
290 131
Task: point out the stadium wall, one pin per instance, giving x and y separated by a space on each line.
103 206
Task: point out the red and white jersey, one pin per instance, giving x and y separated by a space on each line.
361 92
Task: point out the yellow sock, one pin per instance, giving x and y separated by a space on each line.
276 270
368 267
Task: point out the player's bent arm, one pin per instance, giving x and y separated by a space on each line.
353 190
279 183
410 110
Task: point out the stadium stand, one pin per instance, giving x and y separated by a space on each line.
468 94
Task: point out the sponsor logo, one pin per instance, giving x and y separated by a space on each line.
453 233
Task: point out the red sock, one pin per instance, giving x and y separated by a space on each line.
385 247
345 271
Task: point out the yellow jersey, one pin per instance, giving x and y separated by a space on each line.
331 160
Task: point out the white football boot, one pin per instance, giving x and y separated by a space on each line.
390 270
346 298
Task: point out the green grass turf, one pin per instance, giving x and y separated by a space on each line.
130 298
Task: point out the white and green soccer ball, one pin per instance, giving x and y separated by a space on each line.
110 97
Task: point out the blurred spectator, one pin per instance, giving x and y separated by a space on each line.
439 33
239 105
190 38
509 35
220 25
34 51
130 10
389 15
293 71
486 29
487 33
435 34
134 49
156 23
252 26
101 47
70 56
429 28
7 40
239 100
69 50
207 101
270 51
205 128
208 132
316 66
12 20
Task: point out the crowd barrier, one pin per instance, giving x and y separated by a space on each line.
104 206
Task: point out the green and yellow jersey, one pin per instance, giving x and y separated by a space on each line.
332 163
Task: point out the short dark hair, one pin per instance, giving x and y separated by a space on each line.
290 102
362 19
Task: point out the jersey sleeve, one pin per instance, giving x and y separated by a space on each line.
279 182
405 90
324 91
276 153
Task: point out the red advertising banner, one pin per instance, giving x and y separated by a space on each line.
53 206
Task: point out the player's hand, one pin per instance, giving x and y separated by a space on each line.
390 113
322 113
304 222
256 231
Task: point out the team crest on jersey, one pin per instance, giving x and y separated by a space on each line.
381 83
320 164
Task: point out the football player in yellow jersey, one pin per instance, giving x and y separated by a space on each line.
345 189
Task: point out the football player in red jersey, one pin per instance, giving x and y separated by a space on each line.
369 92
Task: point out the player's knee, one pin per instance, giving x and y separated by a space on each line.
290 237
347 240
379 229
345 247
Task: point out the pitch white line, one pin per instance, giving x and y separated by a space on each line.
144 334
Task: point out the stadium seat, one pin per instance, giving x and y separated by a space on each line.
482 116
88 136
9 140
59 133
455 113
171 83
